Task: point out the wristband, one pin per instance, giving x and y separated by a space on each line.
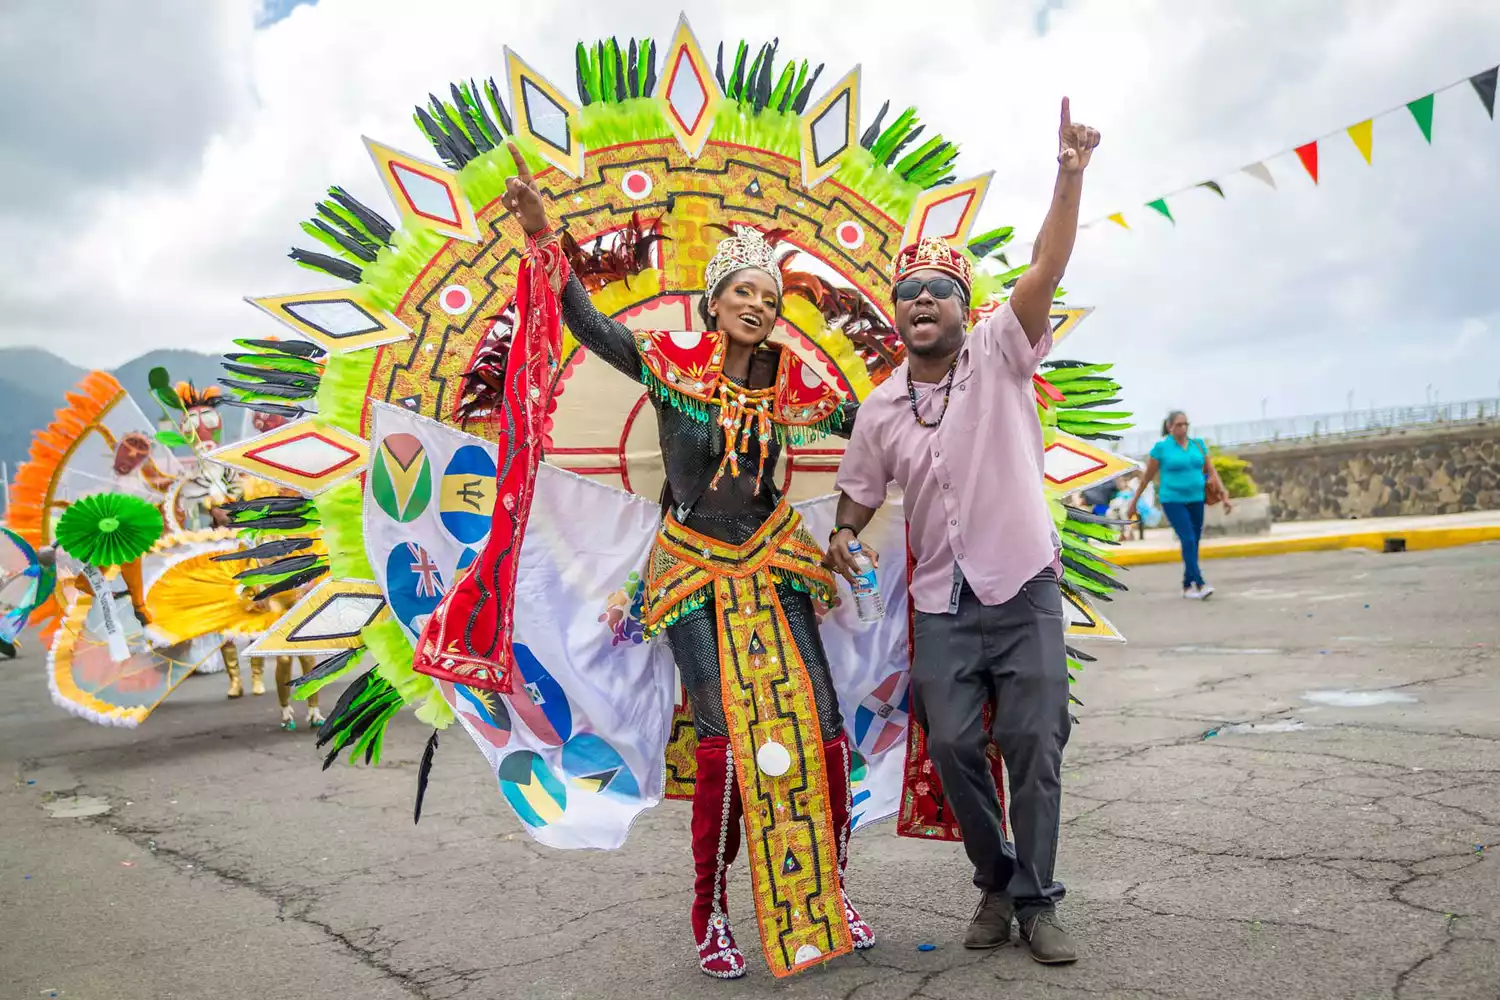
843 527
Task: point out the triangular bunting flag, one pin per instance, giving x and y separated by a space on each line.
1119 219
1308 154
1262 173
1484 86
1421 110
1213 186
1364 137
1160 205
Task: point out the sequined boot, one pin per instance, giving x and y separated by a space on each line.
836 758
232 668
314 716
716 841
257 675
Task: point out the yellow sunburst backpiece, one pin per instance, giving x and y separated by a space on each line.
660 150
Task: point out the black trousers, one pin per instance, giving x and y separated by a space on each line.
1010 656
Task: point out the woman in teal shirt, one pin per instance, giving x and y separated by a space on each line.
1186 471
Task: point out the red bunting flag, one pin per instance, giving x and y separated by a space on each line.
1308 154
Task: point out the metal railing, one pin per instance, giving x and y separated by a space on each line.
1351 423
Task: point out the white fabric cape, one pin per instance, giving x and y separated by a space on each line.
578 751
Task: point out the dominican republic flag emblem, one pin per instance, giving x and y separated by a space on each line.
880 720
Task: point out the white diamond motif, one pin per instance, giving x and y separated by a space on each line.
548 120
686 94
341 618
335 318
830 132
1065 465
944 218
310 455
428 197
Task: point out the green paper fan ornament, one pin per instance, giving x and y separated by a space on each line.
109 529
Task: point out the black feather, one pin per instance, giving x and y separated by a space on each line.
269 505
632 70
1081 656
873 132
372 221
327 668
460 138
336 720
806 90
424 770
906 141
268 550
291 583
477 134
498 102
272 376
719 69
274 409
296 348
328 265
763 84
292 564
282 391
620 91
348 237
650 57
446 146
282 523
1089 517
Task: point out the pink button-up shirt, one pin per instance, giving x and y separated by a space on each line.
973 486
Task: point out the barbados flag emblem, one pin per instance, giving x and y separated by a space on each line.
468 494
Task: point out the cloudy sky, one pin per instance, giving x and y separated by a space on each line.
158 156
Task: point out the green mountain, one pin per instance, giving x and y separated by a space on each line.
33 383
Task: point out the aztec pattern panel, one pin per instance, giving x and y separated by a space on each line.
453 306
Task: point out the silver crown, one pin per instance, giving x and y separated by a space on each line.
746 248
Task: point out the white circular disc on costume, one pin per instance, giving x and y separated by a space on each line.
686 339
636 184
773 759
850 234
810 377
455 300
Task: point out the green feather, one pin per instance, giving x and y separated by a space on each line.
341 509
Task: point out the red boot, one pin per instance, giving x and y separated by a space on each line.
716 840
836 758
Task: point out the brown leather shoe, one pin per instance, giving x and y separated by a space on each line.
990 927
1049 943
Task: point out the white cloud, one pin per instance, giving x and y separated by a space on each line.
220 138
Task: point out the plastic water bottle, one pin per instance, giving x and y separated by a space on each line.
868 603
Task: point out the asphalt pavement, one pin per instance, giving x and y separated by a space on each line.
1291 790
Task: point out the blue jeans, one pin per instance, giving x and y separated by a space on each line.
1187 521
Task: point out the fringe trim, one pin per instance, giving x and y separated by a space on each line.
795 435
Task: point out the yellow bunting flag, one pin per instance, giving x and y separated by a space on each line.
1119 219
1363 135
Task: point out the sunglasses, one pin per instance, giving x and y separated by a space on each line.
940 288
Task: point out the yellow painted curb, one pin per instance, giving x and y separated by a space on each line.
1238 548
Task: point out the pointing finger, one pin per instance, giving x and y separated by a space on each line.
522 170
1067 114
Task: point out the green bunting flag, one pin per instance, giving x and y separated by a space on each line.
1160 205
1421 110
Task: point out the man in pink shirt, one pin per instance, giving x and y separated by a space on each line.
955 426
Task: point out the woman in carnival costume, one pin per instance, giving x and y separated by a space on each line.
731 553
439 553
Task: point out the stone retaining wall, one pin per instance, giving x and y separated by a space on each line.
1424 471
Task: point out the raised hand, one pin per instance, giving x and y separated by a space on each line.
1075 142
521 197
